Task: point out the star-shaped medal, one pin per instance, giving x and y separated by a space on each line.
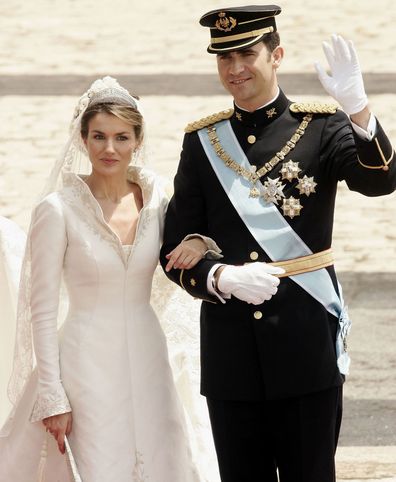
273 190
290 170
291 207
271 112
306 185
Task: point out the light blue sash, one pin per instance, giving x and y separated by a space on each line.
273 233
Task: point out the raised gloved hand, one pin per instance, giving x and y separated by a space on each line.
345 84
253 282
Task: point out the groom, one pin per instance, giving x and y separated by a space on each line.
260 179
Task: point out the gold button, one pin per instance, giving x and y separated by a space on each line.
254 256
258 315
251 139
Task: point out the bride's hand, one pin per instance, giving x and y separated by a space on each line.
59 426
187 254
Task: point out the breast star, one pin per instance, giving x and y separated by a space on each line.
290 170
291 207
306 185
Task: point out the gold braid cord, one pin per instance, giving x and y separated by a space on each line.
252 176
386 162
313 108
207 121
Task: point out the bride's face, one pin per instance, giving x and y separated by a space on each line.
110 144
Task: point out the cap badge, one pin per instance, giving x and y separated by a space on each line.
224 23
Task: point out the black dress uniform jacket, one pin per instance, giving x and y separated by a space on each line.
290 350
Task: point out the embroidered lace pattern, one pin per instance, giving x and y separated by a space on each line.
48 404
23 353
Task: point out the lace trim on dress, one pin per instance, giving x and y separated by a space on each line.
49 404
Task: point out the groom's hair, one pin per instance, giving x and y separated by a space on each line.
271 41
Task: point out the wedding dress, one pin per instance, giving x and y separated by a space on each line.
109 362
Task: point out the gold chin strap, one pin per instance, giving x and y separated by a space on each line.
240 36
305 264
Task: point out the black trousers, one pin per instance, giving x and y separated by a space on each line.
295 438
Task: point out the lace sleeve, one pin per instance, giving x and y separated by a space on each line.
50 403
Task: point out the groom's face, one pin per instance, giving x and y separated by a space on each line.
249 74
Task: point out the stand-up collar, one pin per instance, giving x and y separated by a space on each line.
263 116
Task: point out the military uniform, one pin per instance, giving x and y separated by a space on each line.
283 349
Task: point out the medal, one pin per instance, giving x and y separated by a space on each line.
273 190
306 185
291 207
290 170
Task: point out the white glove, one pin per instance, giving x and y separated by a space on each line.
345 84
253 282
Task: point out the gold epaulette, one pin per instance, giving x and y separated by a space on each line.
313 108
207 121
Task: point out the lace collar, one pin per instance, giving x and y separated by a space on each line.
141 176
80 196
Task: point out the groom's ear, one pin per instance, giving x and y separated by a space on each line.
277 56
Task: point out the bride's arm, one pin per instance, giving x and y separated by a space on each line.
191 250
47 244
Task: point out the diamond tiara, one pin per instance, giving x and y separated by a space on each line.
111 94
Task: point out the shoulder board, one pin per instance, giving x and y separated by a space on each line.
313 108
207 121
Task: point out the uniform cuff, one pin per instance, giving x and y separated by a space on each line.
371 131
210 284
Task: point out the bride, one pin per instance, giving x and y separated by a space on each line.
103 390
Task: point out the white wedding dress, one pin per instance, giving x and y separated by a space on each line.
109 363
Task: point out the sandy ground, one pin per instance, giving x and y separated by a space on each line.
130 37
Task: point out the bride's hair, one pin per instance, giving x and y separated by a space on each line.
126 113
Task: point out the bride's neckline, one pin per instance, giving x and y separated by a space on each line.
134 175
